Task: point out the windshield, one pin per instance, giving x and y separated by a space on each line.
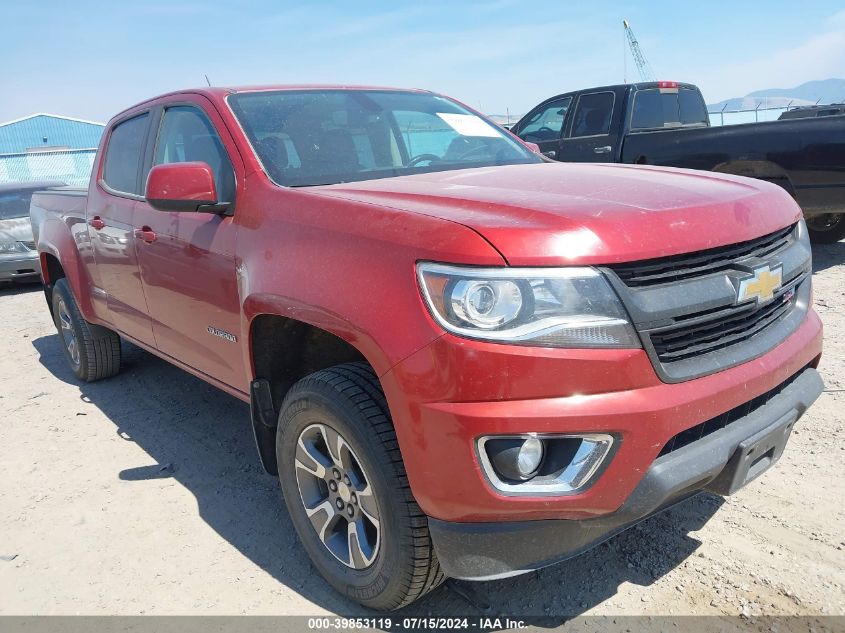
14 205
329 136
654 108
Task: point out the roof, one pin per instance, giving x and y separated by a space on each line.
220 92
42 131
54 116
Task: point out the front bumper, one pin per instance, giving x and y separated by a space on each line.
450 393
20 267
722 461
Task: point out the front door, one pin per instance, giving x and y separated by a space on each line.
111 207
592 136
187 260
544 125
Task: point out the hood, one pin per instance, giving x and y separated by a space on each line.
559 213
17 229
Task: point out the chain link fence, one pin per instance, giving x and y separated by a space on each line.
735 117
72 166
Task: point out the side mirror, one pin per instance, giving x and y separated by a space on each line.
533 147
183 187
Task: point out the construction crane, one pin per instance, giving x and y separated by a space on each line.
646 74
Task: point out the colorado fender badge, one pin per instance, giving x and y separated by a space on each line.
222 334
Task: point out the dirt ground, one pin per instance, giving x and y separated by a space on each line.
143 495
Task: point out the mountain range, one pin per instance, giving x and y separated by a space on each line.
818 91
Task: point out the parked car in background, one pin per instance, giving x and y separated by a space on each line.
462 359
666 123
18 257
813 111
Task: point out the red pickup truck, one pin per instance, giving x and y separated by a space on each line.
462 359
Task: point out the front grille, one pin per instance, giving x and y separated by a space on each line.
722 328
690 265
695 433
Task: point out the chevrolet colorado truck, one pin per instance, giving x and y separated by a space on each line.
462 359
666 123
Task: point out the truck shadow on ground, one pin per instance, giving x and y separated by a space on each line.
202 438
828 255
11 289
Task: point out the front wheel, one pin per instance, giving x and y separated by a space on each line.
826 228
346 489
92 351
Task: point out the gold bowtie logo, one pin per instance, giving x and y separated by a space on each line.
760 285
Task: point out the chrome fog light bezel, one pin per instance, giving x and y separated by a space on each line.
579 474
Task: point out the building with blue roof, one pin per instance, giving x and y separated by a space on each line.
48 147
45 132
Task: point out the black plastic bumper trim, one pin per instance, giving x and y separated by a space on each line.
486 551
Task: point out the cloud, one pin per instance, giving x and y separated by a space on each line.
819 57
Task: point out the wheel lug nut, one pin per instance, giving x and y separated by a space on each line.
346 480
350 510
336 473
339 504
353 498
333 486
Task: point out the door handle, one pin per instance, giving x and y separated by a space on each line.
146 234
550 153
604 149
97 222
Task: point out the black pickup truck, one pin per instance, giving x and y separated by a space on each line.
666 123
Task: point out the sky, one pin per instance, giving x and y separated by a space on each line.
91 60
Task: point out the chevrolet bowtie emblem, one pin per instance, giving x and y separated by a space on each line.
761 284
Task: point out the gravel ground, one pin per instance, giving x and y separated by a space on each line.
143 495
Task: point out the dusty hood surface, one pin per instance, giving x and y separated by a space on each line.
556 213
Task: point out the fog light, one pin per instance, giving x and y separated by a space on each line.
516 458
548 464
530 456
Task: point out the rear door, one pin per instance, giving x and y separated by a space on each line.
592 133
111 206
187 259
544 125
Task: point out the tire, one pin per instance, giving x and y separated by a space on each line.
394 563
827 228
92 351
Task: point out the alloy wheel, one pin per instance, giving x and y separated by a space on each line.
337 496
68 333
825 222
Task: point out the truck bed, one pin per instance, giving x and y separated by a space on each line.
64 204
807 156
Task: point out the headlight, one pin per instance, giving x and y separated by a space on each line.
551 307
11 247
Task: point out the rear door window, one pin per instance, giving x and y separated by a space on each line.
593 114
123 155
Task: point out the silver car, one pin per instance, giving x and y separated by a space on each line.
18 257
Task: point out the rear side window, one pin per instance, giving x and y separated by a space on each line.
123 155
546 123
593 114
672 108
